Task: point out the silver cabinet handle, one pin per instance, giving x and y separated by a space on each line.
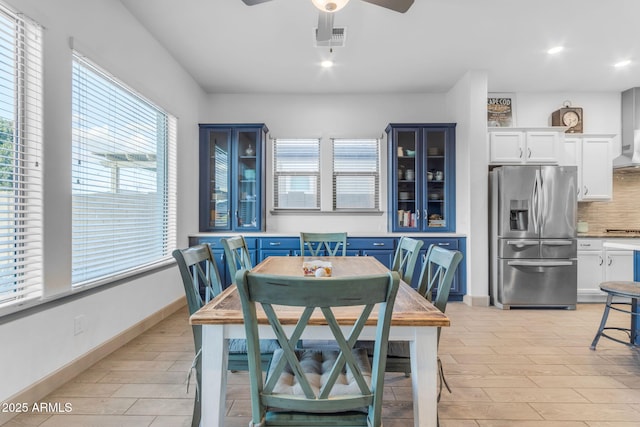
522 243
378 244
601 260
274 243
529 150
610 260
586 190
520 156
540 263
557 242
443 244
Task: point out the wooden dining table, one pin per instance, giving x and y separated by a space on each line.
414 319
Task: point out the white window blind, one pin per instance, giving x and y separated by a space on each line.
123 172
356 174
20 158
296 173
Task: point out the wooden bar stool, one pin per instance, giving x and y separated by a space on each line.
624 290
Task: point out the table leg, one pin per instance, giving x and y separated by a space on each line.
215 353
424 377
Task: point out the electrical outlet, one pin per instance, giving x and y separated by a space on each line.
79 324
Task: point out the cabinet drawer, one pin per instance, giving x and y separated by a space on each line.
589 244
445 243
280 243
355 243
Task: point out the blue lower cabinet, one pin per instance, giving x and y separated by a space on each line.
278 246
215 243
382 248
458 287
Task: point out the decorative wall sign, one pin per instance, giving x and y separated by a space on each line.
501 110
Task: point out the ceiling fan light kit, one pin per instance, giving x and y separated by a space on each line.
330 5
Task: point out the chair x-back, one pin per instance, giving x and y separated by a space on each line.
328 244
317 387
201 282
237 254
405 257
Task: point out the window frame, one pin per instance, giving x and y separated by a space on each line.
279 174
23 247
165 178
375 174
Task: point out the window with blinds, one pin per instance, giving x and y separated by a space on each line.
356 174
20 163
123 172
296 173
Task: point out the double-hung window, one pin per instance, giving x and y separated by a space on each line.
296 173
20 159
356 174
123 177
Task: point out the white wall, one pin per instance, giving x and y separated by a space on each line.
326 116
37 345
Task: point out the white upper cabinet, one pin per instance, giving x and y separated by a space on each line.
515 146
592 155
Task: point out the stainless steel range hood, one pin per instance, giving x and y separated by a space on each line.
630 157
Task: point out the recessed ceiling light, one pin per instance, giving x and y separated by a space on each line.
555 50
327 63
622 63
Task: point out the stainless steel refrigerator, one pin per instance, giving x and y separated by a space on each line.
533 236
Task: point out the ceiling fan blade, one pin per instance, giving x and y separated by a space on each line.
254 2
397 5
325 27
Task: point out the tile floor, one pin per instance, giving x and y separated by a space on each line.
518 368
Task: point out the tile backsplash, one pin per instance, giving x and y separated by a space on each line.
622 212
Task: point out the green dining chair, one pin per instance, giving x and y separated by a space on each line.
405 258
332 244
436 276
237 254
307 387
201 281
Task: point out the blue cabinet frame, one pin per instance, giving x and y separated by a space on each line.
421 179
232 188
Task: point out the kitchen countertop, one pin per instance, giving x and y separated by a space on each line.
620 245
605 235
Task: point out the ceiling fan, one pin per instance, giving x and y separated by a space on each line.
328 7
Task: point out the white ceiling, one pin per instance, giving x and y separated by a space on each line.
229 47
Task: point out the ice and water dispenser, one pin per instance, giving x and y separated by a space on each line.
519 215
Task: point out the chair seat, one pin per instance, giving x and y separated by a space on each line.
394 349
316 365
621 288
240 346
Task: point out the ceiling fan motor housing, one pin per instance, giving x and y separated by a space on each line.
330 5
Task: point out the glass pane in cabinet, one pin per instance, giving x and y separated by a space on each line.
247 213
407 190
219 179
436 178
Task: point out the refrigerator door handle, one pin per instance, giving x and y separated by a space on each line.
557 242
535 202
540 263
522 243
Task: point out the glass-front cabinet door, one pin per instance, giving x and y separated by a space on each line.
231 177
421 177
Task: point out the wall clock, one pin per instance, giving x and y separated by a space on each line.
568 116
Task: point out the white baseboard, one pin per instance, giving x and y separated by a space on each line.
479 301
35 392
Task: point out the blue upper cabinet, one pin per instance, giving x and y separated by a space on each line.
422 175
232 161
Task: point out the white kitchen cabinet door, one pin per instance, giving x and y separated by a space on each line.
597 169
618 265
542 147
590 275
506 147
